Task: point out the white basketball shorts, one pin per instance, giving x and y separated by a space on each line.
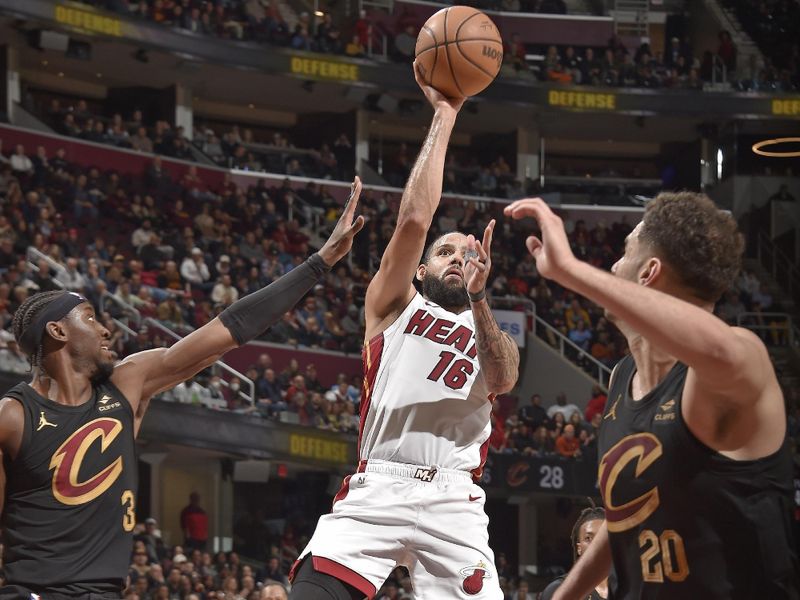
426 519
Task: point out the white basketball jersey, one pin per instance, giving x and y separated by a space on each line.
425 401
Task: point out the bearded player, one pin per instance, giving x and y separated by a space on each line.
432 364
68 475
695 470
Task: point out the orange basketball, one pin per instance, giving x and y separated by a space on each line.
459 51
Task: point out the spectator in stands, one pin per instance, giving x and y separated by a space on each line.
596 404
567 445
12 360
215 398
522 591
195 271
273 591
354 48
603 349
169 312
20 163
731 308
141 142
140 566
562 407
727 50
69 276
84 203
576 313
580 336
223 293
194 523
43 281
189 392
154 545
533 415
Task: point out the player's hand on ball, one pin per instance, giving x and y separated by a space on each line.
341 238
435 97
478 260
554 257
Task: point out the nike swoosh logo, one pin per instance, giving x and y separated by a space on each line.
473 498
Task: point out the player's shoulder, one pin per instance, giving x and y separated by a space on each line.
749 337
12 418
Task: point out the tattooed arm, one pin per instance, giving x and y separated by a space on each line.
497 352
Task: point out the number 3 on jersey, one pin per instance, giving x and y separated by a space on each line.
129 517
454 377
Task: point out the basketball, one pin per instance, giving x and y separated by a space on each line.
459 51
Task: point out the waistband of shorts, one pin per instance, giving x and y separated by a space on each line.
418 472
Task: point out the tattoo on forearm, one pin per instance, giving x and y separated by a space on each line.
498 354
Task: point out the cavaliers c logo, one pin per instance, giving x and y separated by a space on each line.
645 449
68 458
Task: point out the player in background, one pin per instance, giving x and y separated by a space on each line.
68 474
432 364
583 533
695 470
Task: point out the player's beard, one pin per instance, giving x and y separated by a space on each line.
102 373
445 295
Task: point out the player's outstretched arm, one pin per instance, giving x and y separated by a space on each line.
144 374
727 361
391 289
592 568
498 354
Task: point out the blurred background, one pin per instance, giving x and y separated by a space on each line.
167 157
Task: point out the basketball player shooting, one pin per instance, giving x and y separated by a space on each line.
68 474
432 364
695 472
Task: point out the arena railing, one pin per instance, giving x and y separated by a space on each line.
149 321
773 324
128 309
566 347
39 255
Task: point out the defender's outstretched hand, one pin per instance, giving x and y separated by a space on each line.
434 96
479 260
341 238
554 257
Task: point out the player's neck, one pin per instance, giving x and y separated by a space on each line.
602 589
60 382
652 365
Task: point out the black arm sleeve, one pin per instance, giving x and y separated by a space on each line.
251 316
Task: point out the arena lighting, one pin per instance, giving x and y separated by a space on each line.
757 147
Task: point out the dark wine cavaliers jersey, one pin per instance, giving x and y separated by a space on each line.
70 494
685 521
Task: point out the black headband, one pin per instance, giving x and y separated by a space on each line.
58 308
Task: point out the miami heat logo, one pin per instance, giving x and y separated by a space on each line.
473 578
645 449
68 458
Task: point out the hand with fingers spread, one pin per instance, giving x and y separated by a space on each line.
341 238
478 263
435 97
554 257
